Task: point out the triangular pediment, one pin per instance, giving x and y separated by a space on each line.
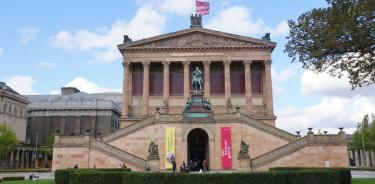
197 38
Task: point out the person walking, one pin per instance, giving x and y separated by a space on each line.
205 165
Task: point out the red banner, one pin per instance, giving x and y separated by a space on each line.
226 148
202 7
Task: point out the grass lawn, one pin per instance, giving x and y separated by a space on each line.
363 181
30 182
355 181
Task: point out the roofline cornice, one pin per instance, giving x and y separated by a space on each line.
192 30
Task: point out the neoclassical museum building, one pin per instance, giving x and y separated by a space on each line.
227 122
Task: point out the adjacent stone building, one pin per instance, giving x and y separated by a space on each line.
229 123
73 113
13 110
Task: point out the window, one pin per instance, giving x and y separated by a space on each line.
217 78
156 79
257 78
176 79
237 78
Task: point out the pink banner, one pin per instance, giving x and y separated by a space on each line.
226 148
202 7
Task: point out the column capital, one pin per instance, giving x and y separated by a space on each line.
227 63
125 64
145 63
186 63
166 63
267 62
206 63
247 62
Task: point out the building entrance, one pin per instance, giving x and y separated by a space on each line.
197 149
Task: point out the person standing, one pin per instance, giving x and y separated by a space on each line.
174 166
205 165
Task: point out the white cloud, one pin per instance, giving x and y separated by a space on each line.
329 114
22 84
180 7
46 65
54 92
323 83
28 34
87 86
103 42
283 75
244 24
1 51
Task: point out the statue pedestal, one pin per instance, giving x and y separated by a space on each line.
198 109
244 164
153 164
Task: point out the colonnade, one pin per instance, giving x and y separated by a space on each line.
267 89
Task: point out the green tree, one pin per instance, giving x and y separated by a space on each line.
8 139
48 148
339 39
364 136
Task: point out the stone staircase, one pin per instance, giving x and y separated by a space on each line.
268 128
129 129
295 146
118 153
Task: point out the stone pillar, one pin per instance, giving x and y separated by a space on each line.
367 160
93 126
17 158
166 80
227 87
207 84
268 87
11 159
362 153
27 158
146 88
23 159
45 163
356 156
186 80
62 124
78 126
125 89
248 90
373 158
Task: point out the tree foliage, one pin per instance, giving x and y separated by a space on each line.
339 39
50 140
8 139
366 132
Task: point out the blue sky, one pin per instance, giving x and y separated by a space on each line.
45 45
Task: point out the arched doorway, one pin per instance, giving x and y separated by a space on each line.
198 148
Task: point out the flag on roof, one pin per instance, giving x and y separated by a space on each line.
202 7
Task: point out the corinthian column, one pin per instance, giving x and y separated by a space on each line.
207 85
146 89
268 87
248 91
227 87
186 79
125 90
166 80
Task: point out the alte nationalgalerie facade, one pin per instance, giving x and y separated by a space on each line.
236 132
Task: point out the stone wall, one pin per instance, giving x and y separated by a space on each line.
260 142
313 156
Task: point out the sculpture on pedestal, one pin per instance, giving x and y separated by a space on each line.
153 150
197 80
